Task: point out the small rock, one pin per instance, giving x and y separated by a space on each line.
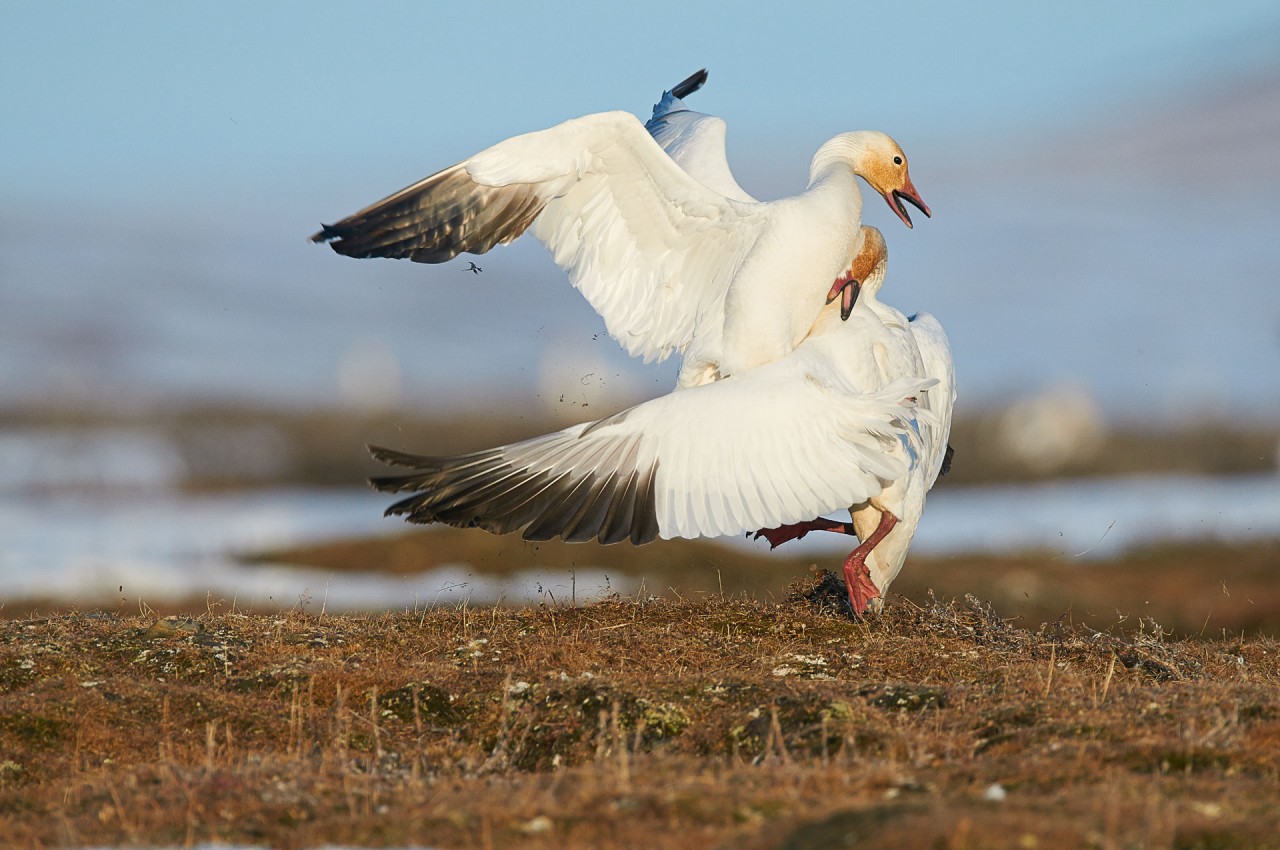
536 826
995 793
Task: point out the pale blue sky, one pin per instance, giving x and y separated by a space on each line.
160 106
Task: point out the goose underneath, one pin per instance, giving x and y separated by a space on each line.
815 431
671 263
891 348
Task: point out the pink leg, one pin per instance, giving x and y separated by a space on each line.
856 575
795 531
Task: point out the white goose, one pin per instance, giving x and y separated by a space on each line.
670 263
853 416
887 348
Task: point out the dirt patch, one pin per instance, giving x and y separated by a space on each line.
720 722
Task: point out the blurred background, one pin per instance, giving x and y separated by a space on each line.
188 384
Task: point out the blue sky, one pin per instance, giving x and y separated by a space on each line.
154 106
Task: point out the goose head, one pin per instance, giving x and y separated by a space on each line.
865 273
879 160
872 259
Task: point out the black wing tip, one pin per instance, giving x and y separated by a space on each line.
689 84
385 484
326 233
345 241
390 457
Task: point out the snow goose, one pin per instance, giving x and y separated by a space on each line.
817 430
670 263
884 349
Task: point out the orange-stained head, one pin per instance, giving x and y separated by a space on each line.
885 170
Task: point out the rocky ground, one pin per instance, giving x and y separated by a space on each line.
635 722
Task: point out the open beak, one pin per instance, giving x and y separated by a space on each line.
847 290
908 193
848 298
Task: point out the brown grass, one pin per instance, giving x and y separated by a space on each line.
634 723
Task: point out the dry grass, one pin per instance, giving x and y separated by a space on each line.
634 723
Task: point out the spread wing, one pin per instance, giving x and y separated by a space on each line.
935 351
773 446
650 246
696 141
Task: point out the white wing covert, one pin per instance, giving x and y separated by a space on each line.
695 140
737 455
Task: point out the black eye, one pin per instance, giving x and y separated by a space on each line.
897 160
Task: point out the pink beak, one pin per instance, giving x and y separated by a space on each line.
908 193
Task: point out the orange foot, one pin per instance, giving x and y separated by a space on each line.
856 575
861 588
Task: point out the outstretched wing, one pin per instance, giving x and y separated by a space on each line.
650 246
935 351
696 141
770 447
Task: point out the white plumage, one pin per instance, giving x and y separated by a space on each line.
696 141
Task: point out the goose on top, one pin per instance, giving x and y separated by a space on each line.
670 263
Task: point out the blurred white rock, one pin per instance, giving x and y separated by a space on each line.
1048 431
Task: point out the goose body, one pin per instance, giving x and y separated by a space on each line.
851 418
671 263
